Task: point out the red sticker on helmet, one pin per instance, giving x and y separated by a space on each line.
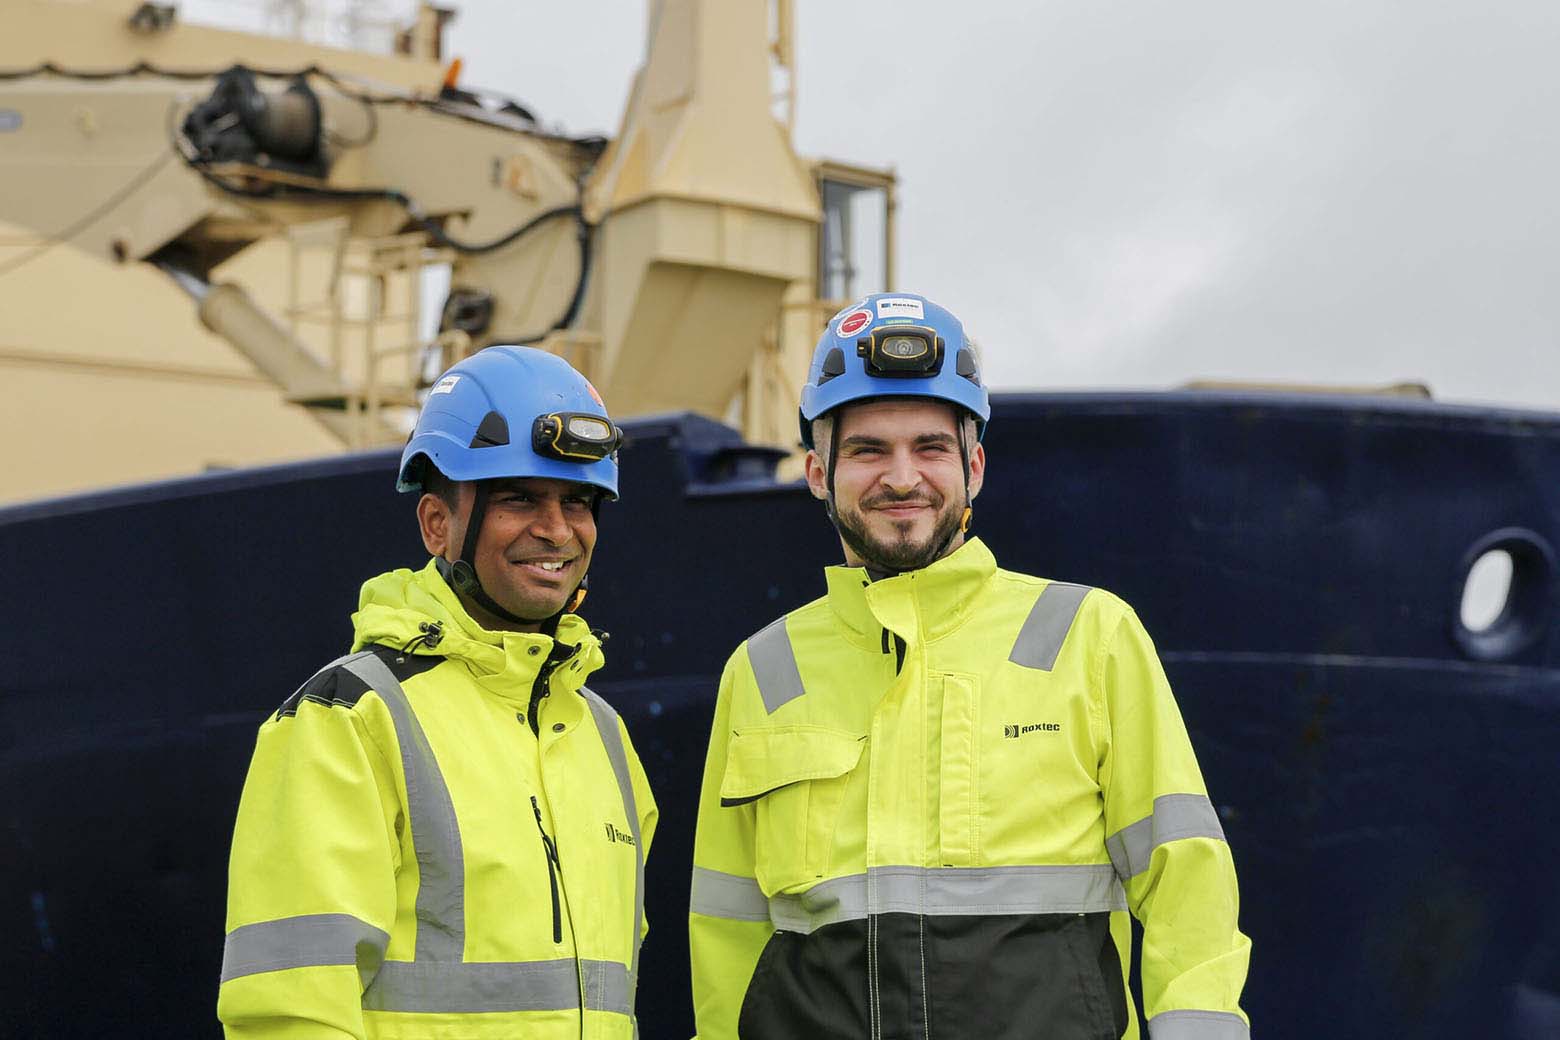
854 322
596 396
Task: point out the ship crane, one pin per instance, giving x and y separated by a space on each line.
676 264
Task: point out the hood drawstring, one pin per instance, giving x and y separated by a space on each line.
432 633
899 650
899 644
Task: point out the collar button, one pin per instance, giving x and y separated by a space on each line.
533 650
557 727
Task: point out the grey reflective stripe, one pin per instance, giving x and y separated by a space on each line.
1045 630
951 892
1175 816
441 872
774 666
1197 1025
715 894
309 941
607 724
443 987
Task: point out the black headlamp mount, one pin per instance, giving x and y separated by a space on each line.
902 351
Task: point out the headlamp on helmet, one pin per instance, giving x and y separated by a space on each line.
902 351
574 436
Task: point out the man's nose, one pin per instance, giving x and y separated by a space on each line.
901 476
549 523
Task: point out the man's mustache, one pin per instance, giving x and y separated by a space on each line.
887 498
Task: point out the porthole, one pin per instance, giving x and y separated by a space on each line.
1505 594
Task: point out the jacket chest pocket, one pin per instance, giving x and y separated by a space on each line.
796 778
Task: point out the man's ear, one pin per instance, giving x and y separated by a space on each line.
435 521
977 469
817 477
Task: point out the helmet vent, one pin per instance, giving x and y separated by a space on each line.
966 365
833 365
492 433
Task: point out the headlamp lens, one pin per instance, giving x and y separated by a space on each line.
589 428
904 347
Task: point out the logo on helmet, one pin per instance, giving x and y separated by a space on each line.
900 307
444 386
854 322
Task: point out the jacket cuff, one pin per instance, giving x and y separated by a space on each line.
1198 1025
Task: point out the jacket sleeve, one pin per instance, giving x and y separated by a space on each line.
728 920
1167 845
311 889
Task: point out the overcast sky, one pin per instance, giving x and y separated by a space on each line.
1139 194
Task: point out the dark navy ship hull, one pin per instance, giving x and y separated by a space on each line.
1389 781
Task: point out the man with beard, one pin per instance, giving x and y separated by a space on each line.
932 796
443 833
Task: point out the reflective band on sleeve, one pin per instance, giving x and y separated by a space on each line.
441 987
1045 630
607 724
310 941
1175 816
774 666
441 872
951 892
735 898
1197 1025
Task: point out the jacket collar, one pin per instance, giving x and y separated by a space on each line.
394 608
917 605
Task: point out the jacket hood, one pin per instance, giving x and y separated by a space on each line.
398 609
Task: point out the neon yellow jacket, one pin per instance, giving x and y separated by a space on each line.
929 802
412 859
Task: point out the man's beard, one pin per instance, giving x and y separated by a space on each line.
899 554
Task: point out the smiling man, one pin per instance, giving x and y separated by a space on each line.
933 796
443 833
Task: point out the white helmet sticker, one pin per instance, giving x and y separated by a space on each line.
444 386
900 307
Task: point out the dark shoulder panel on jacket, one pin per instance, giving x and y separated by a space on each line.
335 686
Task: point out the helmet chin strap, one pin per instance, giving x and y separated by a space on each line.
969 511
462 574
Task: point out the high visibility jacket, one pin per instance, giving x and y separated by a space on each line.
441 835
929 802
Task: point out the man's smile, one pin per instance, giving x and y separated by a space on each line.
549 570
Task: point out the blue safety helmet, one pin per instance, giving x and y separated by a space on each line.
513 412
893 345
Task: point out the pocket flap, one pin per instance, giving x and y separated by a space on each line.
761 760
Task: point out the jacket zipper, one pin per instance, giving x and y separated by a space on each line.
554 868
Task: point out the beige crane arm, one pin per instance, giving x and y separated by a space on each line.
674 264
